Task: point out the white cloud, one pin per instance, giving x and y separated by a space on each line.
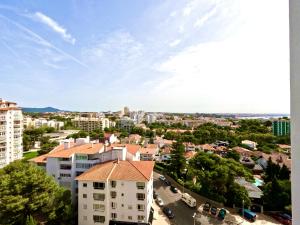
54 26
204 18
242 73
175 43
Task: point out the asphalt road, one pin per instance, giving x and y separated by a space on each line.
183 213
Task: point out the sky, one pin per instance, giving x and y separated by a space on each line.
209 56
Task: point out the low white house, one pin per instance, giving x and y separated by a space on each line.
119 191
250 144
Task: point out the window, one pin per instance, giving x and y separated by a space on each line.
99 219
65 175
84 195
81 157
84 217
140 185
99 185
129 217
140 207
78 173
113 183
84 184
65 166
140 196
129 206
113 194
99 207
99 197
113 205
114 216
84 206
141 218
122 194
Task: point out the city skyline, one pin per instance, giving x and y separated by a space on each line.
188 56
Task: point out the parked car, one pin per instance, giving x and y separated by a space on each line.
169 213
213 210
283 218
167 182
174 189
249 215
155 195
159 201
222 214
162 178
206 206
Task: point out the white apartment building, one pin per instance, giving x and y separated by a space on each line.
11 132
41 122
70 159
151 118
116 192
91 123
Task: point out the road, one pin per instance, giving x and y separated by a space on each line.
183 213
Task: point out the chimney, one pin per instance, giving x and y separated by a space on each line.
92 144
67 145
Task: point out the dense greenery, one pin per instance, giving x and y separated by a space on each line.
27 193
277 194
274 170
68 124
30 136
94 135
47 145
254 130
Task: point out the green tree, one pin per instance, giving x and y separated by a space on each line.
177 162
284 173
277 194
27 191
233 155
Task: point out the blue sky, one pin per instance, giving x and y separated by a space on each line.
180 56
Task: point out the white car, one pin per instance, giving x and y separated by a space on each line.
162 178
159 201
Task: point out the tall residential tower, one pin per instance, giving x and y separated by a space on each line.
11 131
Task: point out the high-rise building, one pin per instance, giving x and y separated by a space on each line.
11 131
126 111
281 127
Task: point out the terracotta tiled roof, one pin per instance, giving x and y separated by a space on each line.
207 147
83 149
190 154
119 170
148 150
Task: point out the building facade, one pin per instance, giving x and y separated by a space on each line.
281 127
91 123
11 132
116 192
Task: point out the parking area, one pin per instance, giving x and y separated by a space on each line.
184 214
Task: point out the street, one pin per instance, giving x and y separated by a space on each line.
183 213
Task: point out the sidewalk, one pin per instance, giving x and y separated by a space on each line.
159 218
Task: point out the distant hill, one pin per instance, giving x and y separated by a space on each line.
41 110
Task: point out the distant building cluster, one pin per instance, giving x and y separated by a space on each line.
91 121
30 122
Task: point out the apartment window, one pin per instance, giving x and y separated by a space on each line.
78 173
141 207
141 218
81 157
129 206
113 183
98 219
114 216
65 167
140 185
65 175
84 185
84 206
99 185
99 207
113 194
98 197
84 195
129 217
113 205
140 196
84 217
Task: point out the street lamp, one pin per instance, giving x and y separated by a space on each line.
194 218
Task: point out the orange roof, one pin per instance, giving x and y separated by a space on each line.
131 148
189 154
10 108
119 170
207 147
81 149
